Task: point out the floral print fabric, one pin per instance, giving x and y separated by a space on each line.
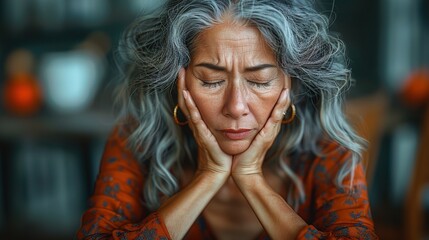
116 209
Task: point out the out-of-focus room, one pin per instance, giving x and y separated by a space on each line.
58 74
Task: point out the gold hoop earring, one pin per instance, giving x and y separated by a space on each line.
176 120
292 115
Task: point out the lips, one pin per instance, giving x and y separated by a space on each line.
237 134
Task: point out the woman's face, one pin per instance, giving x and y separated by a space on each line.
235 82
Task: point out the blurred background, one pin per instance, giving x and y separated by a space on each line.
58 73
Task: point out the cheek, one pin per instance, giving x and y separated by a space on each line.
263 113
208 106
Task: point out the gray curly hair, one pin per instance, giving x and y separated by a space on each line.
157 45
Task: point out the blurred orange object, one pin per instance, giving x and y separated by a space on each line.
415 91
22 94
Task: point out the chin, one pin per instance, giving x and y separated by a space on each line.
234 148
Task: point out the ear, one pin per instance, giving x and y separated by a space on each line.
181 85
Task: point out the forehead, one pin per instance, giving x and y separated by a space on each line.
231 38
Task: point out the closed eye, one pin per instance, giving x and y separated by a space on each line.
212 84
259 84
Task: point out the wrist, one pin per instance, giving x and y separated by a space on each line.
246 172
207 164
210 176
248 180
213 170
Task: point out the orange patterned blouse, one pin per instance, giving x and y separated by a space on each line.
116 210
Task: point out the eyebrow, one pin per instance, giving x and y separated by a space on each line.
223 69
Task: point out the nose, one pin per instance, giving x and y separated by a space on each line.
235 102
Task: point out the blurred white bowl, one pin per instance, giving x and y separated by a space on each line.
70 80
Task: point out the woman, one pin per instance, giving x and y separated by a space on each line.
254 145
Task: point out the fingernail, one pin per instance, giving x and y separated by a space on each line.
185 94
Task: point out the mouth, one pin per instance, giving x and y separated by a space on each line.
237 134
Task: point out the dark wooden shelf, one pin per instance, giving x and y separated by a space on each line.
89 124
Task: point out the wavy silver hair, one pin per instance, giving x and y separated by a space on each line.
158 44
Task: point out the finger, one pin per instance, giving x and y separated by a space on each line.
199 127
181 86
281 107
272 127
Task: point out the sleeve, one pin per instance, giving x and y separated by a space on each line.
338 212
116 210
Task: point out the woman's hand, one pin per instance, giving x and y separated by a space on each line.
279 220
211 157
250 161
